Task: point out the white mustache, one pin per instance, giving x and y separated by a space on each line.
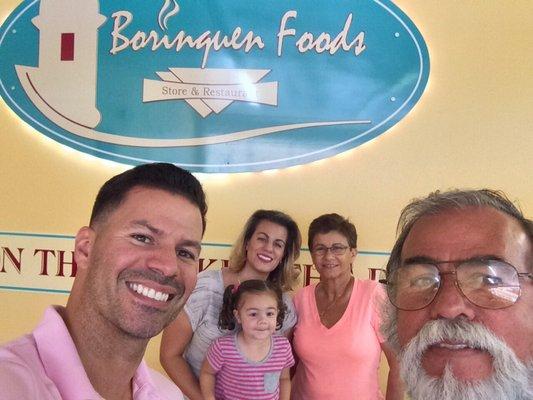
511 379
474 335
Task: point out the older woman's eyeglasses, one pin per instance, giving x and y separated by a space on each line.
336 249
491 284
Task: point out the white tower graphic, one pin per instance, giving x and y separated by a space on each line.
63 86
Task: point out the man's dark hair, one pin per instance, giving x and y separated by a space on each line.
332 222
164 176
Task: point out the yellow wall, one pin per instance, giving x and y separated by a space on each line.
472 128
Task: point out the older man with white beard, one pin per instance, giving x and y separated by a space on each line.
460 282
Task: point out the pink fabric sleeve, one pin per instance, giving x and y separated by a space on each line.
214 355
17 382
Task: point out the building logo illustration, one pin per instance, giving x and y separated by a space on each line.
64 83
210 91
63 86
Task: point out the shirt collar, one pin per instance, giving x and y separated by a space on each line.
63 365
143 386
60 358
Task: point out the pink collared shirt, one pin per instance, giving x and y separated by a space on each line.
45 365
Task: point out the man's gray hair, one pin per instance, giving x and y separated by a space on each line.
438 202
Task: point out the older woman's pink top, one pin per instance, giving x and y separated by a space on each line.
340 362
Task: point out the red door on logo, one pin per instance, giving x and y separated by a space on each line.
67 47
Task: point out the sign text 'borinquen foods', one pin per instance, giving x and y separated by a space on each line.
218 86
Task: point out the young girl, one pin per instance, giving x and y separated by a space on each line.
252 363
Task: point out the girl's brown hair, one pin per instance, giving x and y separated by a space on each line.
233 295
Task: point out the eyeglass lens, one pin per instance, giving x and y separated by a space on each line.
337 250
486 283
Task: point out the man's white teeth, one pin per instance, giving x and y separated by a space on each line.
454 346
148 292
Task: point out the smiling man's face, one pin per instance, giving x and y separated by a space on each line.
480 232
141 261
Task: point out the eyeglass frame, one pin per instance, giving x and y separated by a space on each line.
456 264
325 249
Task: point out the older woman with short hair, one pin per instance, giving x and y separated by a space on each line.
337 338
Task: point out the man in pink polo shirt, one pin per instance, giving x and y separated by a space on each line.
137 265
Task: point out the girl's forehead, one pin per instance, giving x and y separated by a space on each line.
263 299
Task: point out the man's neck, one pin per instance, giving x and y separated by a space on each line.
109 356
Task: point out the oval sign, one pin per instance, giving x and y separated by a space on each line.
212 86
